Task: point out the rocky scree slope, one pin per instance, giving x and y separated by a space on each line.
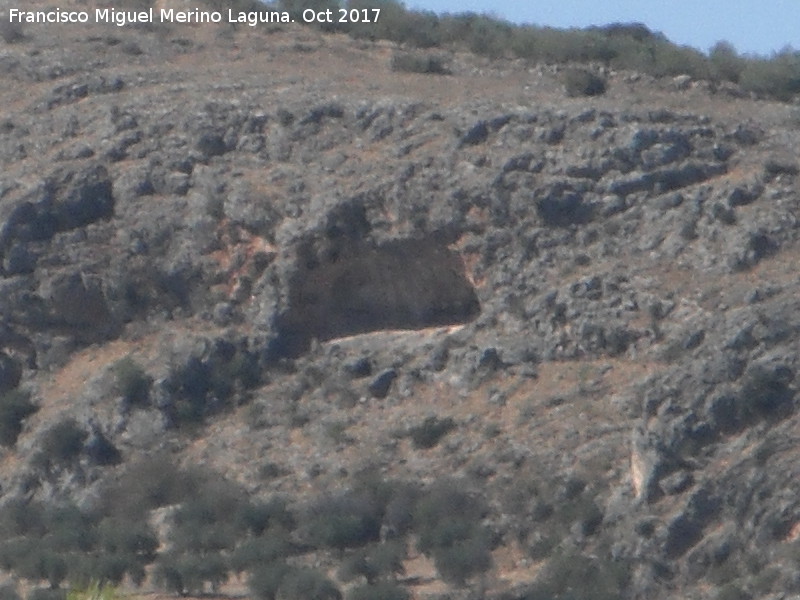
599 294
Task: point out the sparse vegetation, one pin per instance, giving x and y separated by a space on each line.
266 578
375 563
726 64
94 591
550 510
133 383
582 82
345 521
204 530
101 451
431 431
419 62
448 523
15 407
262 550
569 575
47 594
188 573
61 445
382 590
777 77
60 542
9 591
203 386
128 547
629 46
308 584
149 483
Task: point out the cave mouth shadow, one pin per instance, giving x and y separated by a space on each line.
360 288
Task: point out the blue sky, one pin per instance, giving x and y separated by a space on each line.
752 26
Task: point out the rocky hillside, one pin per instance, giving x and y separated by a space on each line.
450 335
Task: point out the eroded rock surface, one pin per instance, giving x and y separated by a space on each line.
600 294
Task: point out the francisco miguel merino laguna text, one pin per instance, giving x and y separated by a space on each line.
126 17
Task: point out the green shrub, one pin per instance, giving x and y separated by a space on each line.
383 590
133 384
464 558
206 522
375 562
635 31
101 451
399 512
94 590
307 584
190 386
345 521
110 569
355 566
56 542
726 64
259 551
447 522
13 552
441 508
670 60
416 29
152 482
559 46
581 82
188 573
419 62
568 576
431 431
69 529
204 386
47 594
135 541
23 524
386 559
479 34
15 407
336 431
42 564
9 591
204 534
778 77
257 517
61 444
60 541
266 578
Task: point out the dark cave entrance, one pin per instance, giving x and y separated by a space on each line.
359 288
